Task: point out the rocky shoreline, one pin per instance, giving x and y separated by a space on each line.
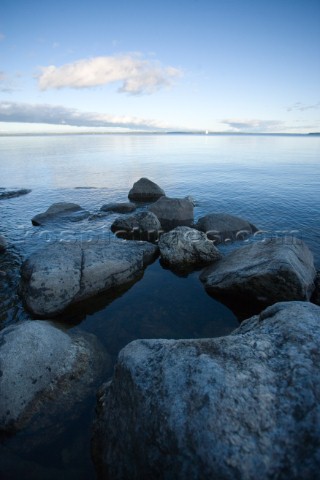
234 407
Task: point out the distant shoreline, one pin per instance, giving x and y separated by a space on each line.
137 133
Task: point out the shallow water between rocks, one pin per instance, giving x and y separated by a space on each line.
272 181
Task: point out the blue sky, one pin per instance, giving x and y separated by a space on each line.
218 65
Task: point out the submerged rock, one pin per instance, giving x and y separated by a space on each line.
243 406
185 246
144 190
141 226
41 365
3 244
173 212
126 207
316 293
222 226
278 269
5 194
62 273
61 211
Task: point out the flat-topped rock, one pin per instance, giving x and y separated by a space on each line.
244 406
5 194
140 226
125 207
222 226
184 247
144 190
61 211
40 365
173 212
274 270
62 273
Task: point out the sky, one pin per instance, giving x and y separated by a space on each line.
217 65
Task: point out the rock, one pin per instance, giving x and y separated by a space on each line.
144 190
41 365
126 207
316 293
185 246
61 211
173 212
5 194
221 227
141 226
278 269
3 244
244 406
65 273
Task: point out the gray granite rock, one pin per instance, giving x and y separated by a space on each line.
126 207
41 365
244 406
173 212
5 194
64 273
62 211
144 190
3 244
185 247
274 270
140 226
221 227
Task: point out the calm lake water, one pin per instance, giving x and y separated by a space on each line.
272 181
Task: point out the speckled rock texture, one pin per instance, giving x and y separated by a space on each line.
65 273
244 406
279 269
140 226
185 247
40 364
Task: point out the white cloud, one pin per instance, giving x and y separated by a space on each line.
136 75
59 115
301 107
254 125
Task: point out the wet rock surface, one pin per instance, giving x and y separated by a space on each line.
61 211
184 247
140 226
241 406
64 273
6 194
125 207
144 190
222 226
173 212
41 365
279 269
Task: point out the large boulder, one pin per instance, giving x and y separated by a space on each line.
62 273
3 244
279 269
173 212
184 247
140 226
222 227
144 190
244 406
62 211
42 367
125 207
5 194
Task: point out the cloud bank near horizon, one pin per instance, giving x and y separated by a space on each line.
136 75
59 115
